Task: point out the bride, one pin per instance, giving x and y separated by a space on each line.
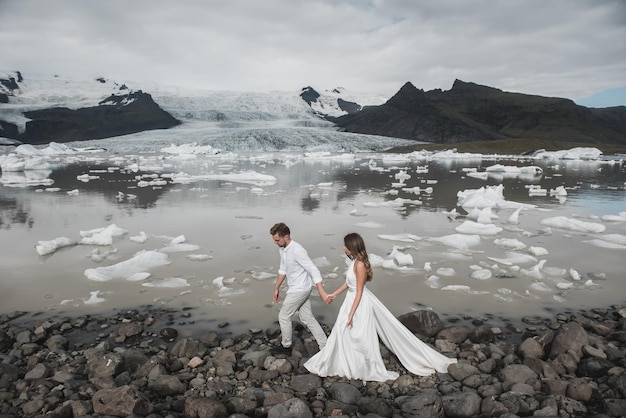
353 350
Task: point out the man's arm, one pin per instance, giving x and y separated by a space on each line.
307 264
322 292
279 281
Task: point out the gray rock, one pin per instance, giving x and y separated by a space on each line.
165 385
531 348
198 407
57 342
291 408
275 398
305 382
423 322
461 404
580 390
517 373
570 337
375 407
461 371
188 348
454 333
427 404
345 392
241 405
121 401
210 339
40 371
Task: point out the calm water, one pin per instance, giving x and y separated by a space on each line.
322 199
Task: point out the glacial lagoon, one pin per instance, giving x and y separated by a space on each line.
187 227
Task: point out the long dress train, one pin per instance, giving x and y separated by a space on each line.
355 352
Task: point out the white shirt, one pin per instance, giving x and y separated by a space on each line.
297 266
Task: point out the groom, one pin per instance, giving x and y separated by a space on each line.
301 274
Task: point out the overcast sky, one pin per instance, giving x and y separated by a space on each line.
562 48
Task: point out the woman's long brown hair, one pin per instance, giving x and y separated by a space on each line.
355 244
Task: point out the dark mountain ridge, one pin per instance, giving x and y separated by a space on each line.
122 113
471 112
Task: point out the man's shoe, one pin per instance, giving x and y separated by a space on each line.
279 349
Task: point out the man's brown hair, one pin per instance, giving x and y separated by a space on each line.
281 229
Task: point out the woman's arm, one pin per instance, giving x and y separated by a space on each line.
361 278
339 290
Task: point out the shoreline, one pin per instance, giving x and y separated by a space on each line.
144 362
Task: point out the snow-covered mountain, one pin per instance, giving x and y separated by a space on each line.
277 120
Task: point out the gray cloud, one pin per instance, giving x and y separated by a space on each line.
564 48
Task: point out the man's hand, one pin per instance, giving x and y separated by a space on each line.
276 295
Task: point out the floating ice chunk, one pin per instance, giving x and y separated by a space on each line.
401 258
478 175
139 264
534 271
451 214
540 286
177 240
457 288
446 271
559 191
49 247
482 274
510 243
433 282
101 236
606 244
321 261
578 153
538 251
573 224
615 238
402 176
99 256
396 203
575 275
370 225
460 241
141 238
376 260
247 177
171 282
400 237
471 227
355 212
74 192
555 271
417 190
262 275
179 248
94 298
428 266
564 285
613 218
86 177
199 257
224 290
481 198
483 216
514 218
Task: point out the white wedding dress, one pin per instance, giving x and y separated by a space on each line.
354 352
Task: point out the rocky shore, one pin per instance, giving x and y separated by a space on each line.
138 363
